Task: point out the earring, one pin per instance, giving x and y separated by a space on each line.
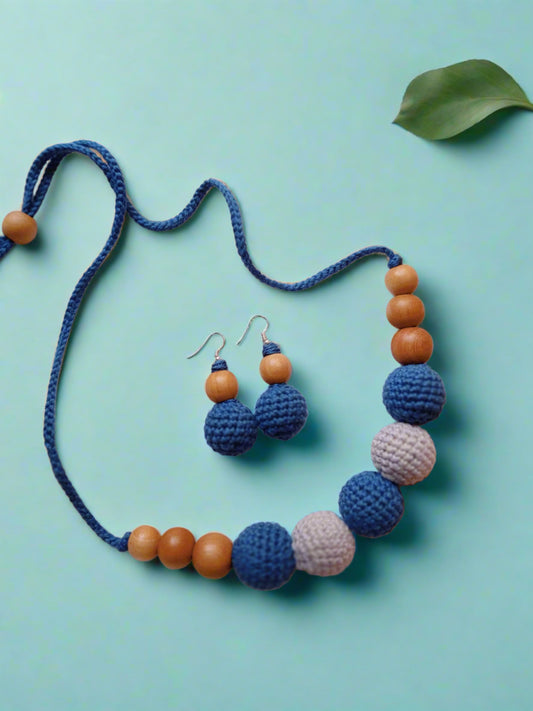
230 427
281 411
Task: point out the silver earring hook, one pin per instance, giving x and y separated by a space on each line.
217 352
263 332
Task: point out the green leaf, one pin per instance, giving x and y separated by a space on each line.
444 102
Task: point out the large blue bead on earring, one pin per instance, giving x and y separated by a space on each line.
281 411
230 427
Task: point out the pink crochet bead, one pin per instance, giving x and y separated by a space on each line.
402 453
323 544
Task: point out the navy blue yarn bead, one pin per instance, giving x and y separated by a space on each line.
370 505
281 411
263 557
230 428
414 394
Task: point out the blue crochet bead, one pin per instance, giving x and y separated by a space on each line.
281 411
262 556
370 504
414 394
230 428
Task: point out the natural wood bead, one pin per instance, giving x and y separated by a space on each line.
275 368
402 279
143 542
19 227
405 310
221 385
211 555
175 548
412 345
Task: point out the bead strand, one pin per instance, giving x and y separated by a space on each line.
410 344
210 555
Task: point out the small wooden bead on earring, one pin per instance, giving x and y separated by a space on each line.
230 427
221 385
275 368
281 411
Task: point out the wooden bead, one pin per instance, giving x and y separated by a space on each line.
275 368
221 385
19 227
211 555
412 345
175 548
402 279
405 310
143 542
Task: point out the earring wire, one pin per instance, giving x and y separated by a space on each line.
217 352
263 332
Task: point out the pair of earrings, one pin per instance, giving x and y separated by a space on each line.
280 412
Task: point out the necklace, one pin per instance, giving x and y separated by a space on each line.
264 555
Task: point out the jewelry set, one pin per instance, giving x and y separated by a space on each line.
264 555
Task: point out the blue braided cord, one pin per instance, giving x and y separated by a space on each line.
5 245
42 188
36 187
116 180
240 239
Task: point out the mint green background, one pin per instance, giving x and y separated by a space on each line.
291 104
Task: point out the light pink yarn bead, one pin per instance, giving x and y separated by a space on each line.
402 453
323 544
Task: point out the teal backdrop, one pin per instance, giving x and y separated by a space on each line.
291 104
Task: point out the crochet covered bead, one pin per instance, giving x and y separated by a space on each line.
403 453
323 544
370 505
263 557
414 394
230 428
281 411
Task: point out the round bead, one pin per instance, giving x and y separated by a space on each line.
175 548
19 227
230 428
263 557
211 555
411 345
402 453
370 505
143 542
405 310
281 411
414 394
221 385
275 368
402 279
323 544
